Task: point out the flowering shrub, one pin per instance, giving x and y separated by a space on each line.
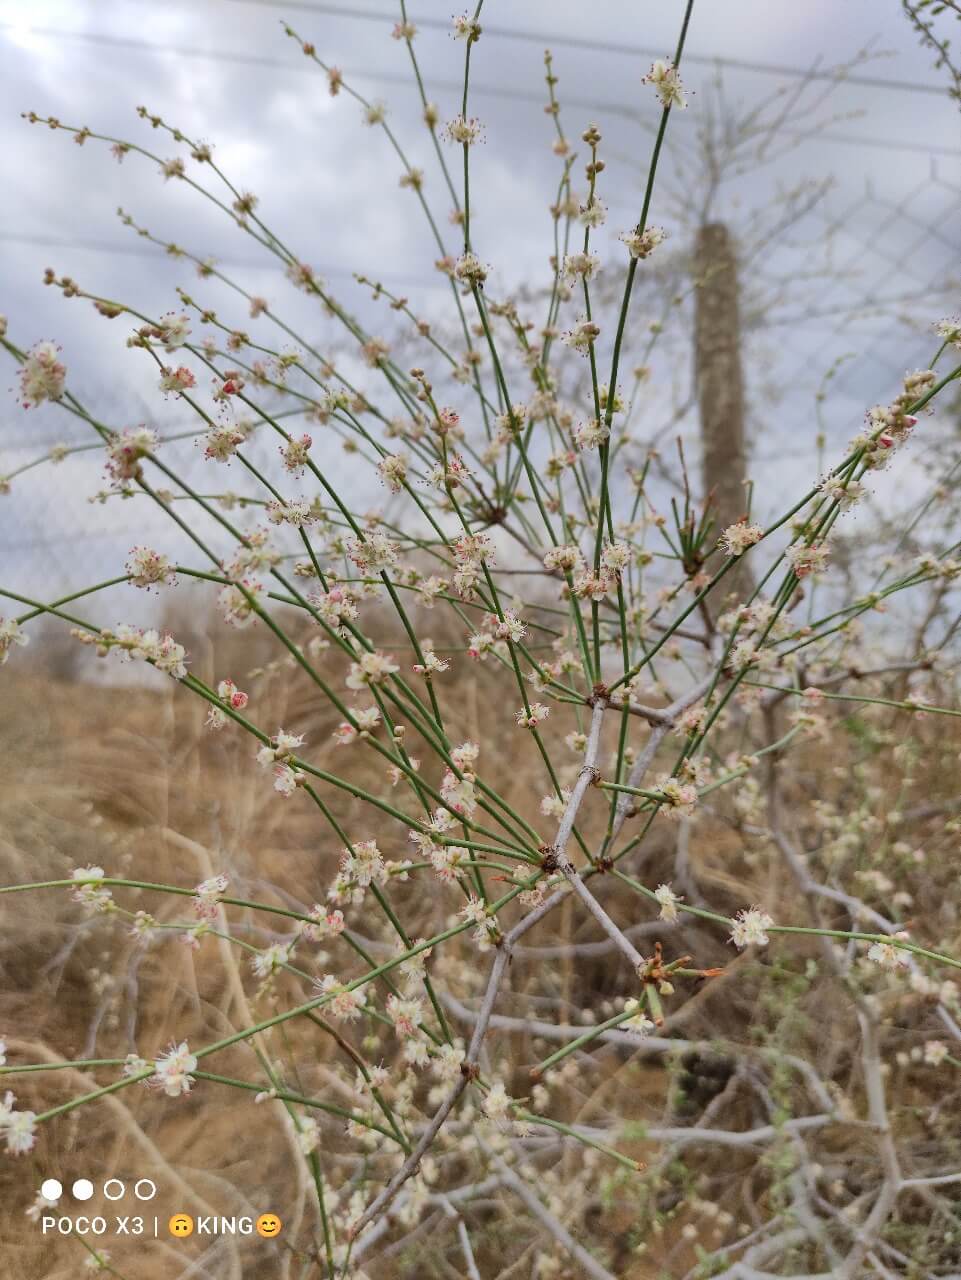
520 531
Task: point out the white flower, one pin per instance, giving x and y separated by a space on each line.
308 1136
343 1005
90 891
238 603
147 568
323 923
566 558
406 1015
285 742
593 214
373 553
666 80
42 376
447 1061
950 330
583 335
393 471
207 895
222 441
296 453
581 264
363 864
935 1052
465 756
228 692
678 798
638 1021
470 269
591 433
172 1070
749 928
125 450
39 1206
466 28
463 131
19 1130
530 719
669 902
174 330
145 646
888 956
742 655
641 244
485 928
10 635
844 492
168 656
367 718
176 380
373 668
297 512
431 664
736 538
336 607
448 860
268 961
134 1065
286 779
498 1102
459 792
615 557
553 806
806 560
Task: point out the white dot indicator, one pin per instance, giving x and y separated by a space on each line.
51 1189
82 1189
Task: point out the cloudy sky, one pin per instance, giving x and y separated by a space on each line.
887 233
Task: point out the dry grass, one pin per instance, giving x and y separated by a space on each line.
125 778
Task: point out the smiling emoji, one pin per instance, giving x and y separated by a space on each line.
181 1225
268 1226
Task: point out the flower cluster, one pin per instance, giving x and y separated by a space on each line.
341 1003
736 538
749 928
279 755
125 451
161 651
808 558
11 635
172 1071
147 568
42 376
472 552
678 799
641 244
17 1127
207 897
371 668
888 956
666 80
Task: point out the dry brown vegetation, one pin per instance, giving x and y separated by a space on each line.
126 778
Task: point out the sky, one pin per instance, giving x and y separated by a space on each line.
885 146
